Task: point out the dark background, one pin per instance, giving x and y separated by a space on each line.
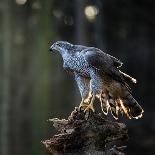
33 85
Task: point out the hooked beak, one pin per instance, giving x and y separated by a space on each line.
52 48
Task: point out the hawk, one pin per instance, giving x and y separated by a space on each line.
98 76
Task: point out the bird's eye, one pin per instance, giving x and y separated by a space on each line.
58 45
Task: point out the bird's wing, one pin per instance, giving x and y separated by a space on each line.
104 63
116 61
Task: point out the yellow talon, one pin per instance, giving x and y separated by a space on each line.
83 104
90 107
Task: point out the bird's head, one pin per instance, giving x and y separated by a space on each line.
61 46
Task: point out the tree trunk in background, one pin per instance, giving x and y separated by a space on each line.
22 58
99 26
80 23
5 105
17 79
41 96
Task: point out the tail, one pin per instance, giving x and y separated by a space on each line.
128 77
125 103
108 104
130 106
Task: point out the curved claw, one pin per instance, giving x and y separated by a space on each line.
90 107
83 104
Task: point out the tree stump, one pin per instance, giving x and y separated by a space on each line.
84 133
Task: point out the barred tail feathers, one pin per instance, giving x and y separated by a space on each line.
113 108
108 104
130 106
125 103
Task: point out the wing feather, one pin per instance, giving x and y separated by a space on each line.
116 61
104 63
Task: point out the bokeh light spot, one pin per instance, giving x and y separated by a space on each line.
57 13
91 12
21 2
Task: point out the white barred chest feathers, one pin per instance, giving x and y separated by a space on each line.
77 64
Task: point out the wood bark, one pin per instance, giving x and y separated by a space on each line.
5 105
86 133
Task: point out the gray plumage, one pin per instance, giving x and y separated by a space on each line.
97 75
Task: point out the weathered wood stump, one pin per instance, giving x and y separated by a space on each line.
84 133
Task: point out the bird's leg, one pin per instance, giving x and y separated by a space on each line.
84 86
90 106
85 102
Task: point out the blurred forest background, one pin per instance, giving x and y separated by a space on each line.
33 85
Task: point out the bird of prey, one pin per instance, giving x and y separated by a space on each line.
98 76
